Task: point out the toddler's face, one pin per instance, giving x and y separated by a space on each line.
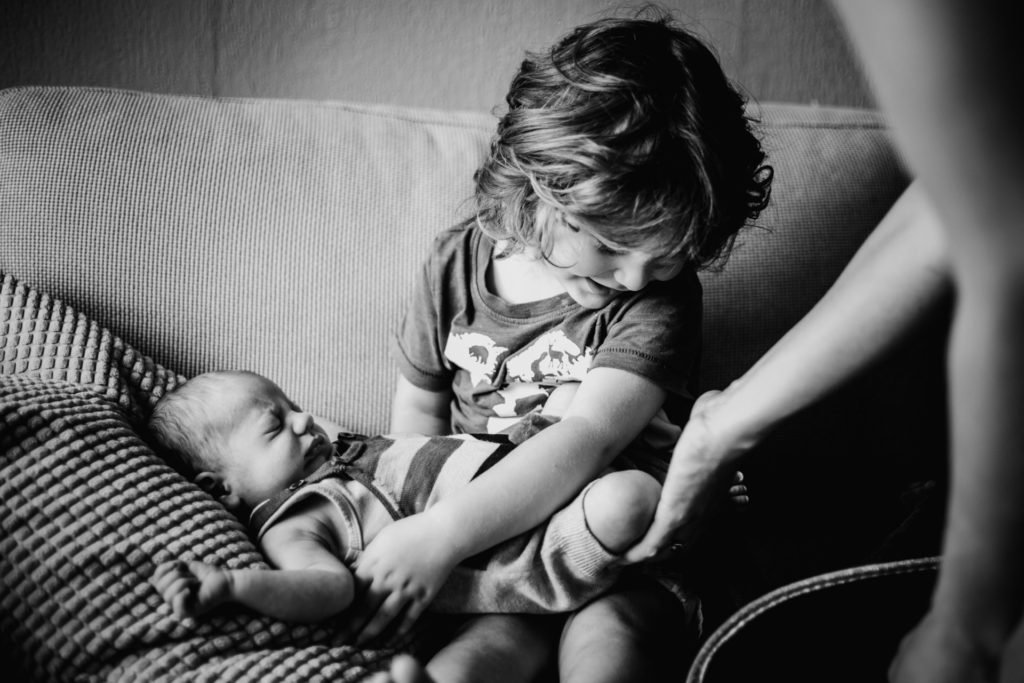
272 442
594 271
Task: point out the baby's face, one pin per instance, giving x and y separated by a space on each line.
271 442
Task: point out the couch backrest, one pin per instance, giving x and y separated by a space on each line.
282 236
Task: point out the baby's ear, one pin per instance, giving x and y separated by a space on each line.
211 483
214 484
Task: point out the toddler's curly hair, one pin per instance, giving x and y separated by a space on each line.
629 127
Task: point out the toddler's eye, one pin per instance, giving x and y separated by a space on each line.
605 249
569 225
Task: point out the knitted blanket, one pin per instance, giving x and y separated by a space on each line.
87 511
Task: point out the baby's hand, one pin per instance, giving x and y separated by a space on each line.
191 588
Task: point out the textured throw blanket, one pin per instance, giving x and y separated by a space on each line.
87 510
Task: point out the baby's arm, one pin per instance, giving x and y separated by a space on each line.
309 584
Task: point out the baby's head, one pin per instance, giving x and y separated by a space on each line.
242 435
627 129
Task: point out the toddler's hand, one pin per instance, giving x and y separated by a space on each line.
191 588
399 574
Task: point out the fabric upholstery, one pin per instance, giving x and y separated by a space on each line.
836 175
842 626
87 511
274 236
281 236
146 238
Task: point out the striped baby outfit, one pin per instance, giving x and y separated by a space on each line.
556 567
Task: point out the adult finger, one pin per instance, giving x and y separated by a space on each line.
652 545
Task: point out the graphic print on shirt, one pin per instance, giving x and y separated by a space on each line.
550 358
475 353
530 373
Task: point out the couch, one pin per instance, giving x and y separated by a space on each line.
145 238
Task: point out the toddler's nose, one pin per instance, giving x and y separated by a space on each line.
634 276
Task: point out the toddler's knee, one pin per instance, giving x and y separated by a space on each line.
619 508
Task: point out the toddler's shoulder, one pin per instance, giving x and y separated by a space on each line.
458 237
459 249
682 293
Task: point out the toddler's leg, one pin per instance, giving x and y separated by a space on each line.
504 648
620 506
498 648
404 669
635 633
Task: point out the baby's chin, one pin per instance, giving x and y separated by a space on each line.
315 463
319 453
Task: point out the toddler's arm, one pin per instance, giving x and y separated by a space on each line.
420 411
408 561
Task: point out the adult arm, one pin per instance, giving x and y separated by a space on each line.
894 279
947 75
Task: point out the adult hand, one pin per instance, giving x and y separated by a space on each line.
943 651
398 575
698 479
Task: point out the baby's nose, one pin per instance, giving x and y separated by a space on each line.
301 422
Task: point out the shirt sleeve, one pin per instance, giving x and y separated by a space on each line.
657 335
417 346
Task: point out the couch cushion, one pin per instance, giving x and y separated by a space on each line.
836 175
281 236
87 511
841 627
268 235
